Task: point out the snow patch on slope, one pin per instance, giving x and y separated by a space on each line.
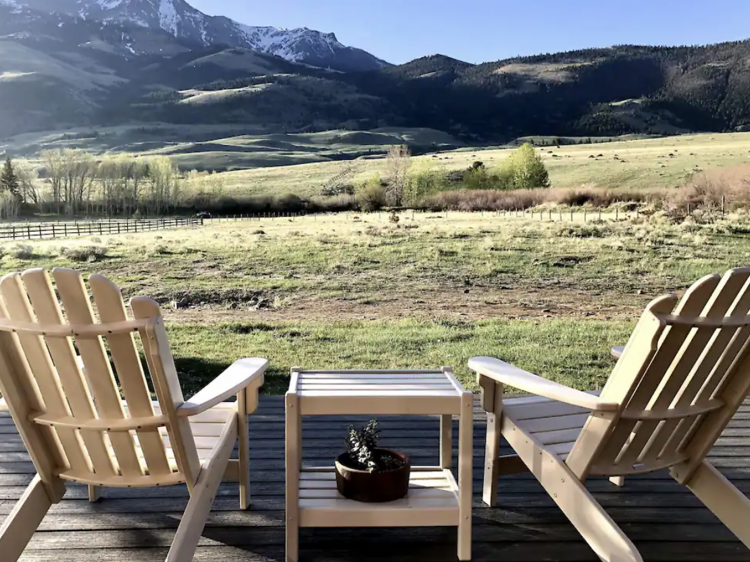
109 4
168 17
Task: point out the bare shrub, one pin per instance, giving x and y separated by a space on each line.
85 253
22 252
494 200
159 250
710 189
397 163
333 204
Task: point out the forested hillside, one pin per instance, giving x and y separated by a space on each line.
60 71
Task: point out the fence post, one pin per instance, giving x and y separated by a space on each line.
65 228
722 205
53 231
600 214
550 214
571 215
617 214
688 209
584 215
14 233
100 229
78 228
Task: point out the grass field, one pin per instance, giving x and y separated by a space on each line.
357 291
631 164
256 162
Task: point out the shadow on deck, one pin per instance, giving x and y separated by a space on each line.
663 519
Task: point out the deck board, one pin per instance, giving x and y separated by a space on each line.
667 523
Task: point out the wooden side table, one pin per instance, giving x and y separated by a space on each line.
435 498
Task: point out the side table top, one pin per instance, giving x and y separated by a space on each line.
377 391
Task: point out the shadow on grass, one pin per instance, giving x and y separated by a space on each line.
197 372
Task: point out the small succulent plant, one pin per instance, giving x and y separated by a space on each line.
362 447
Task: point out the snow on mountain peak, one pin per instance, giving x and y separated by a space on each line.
179 19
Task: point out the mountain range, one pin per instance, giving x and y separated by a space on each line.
72 63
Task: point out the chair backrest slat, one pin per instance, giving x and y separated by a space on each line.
111 308
62 388
699 355
641 349
644 446
706 372
47 310
97 369
167 386
668 349
35 351
23 398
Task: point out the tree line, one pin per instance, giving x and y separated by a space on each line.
71 182
405 185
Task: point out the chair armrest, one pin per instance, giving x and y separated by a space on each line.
238 376
503 373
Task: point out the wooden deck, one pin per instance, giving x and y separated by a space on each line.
664 520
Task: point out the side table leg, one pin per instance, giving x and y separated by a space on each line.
293 457
446 441
243 430
465 465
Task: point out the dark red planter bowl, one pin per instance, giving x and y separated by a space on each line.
373 487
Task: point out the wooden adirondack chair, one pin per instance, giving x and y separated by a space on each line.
76 427
678 383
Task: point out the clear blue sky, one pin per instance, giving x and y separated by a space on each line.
488 30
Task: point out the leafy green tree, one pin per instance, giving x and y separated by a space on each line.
9 180
528 168
421 183
371 196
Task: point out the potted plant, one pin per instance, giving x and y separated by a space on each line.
367 473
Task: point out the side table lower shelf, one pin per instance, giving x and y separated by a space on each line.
432 502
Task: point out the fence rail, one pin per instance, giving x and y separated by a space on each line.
50 230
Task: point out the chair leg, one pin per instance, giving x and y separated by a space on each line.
27 514
492 401
94 493
719 495
491 460
243 431
202 497
598 529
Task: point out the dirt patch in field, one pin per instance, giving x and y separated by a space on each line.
471 303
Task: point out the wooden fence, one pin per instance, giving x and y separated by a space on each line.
49 230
